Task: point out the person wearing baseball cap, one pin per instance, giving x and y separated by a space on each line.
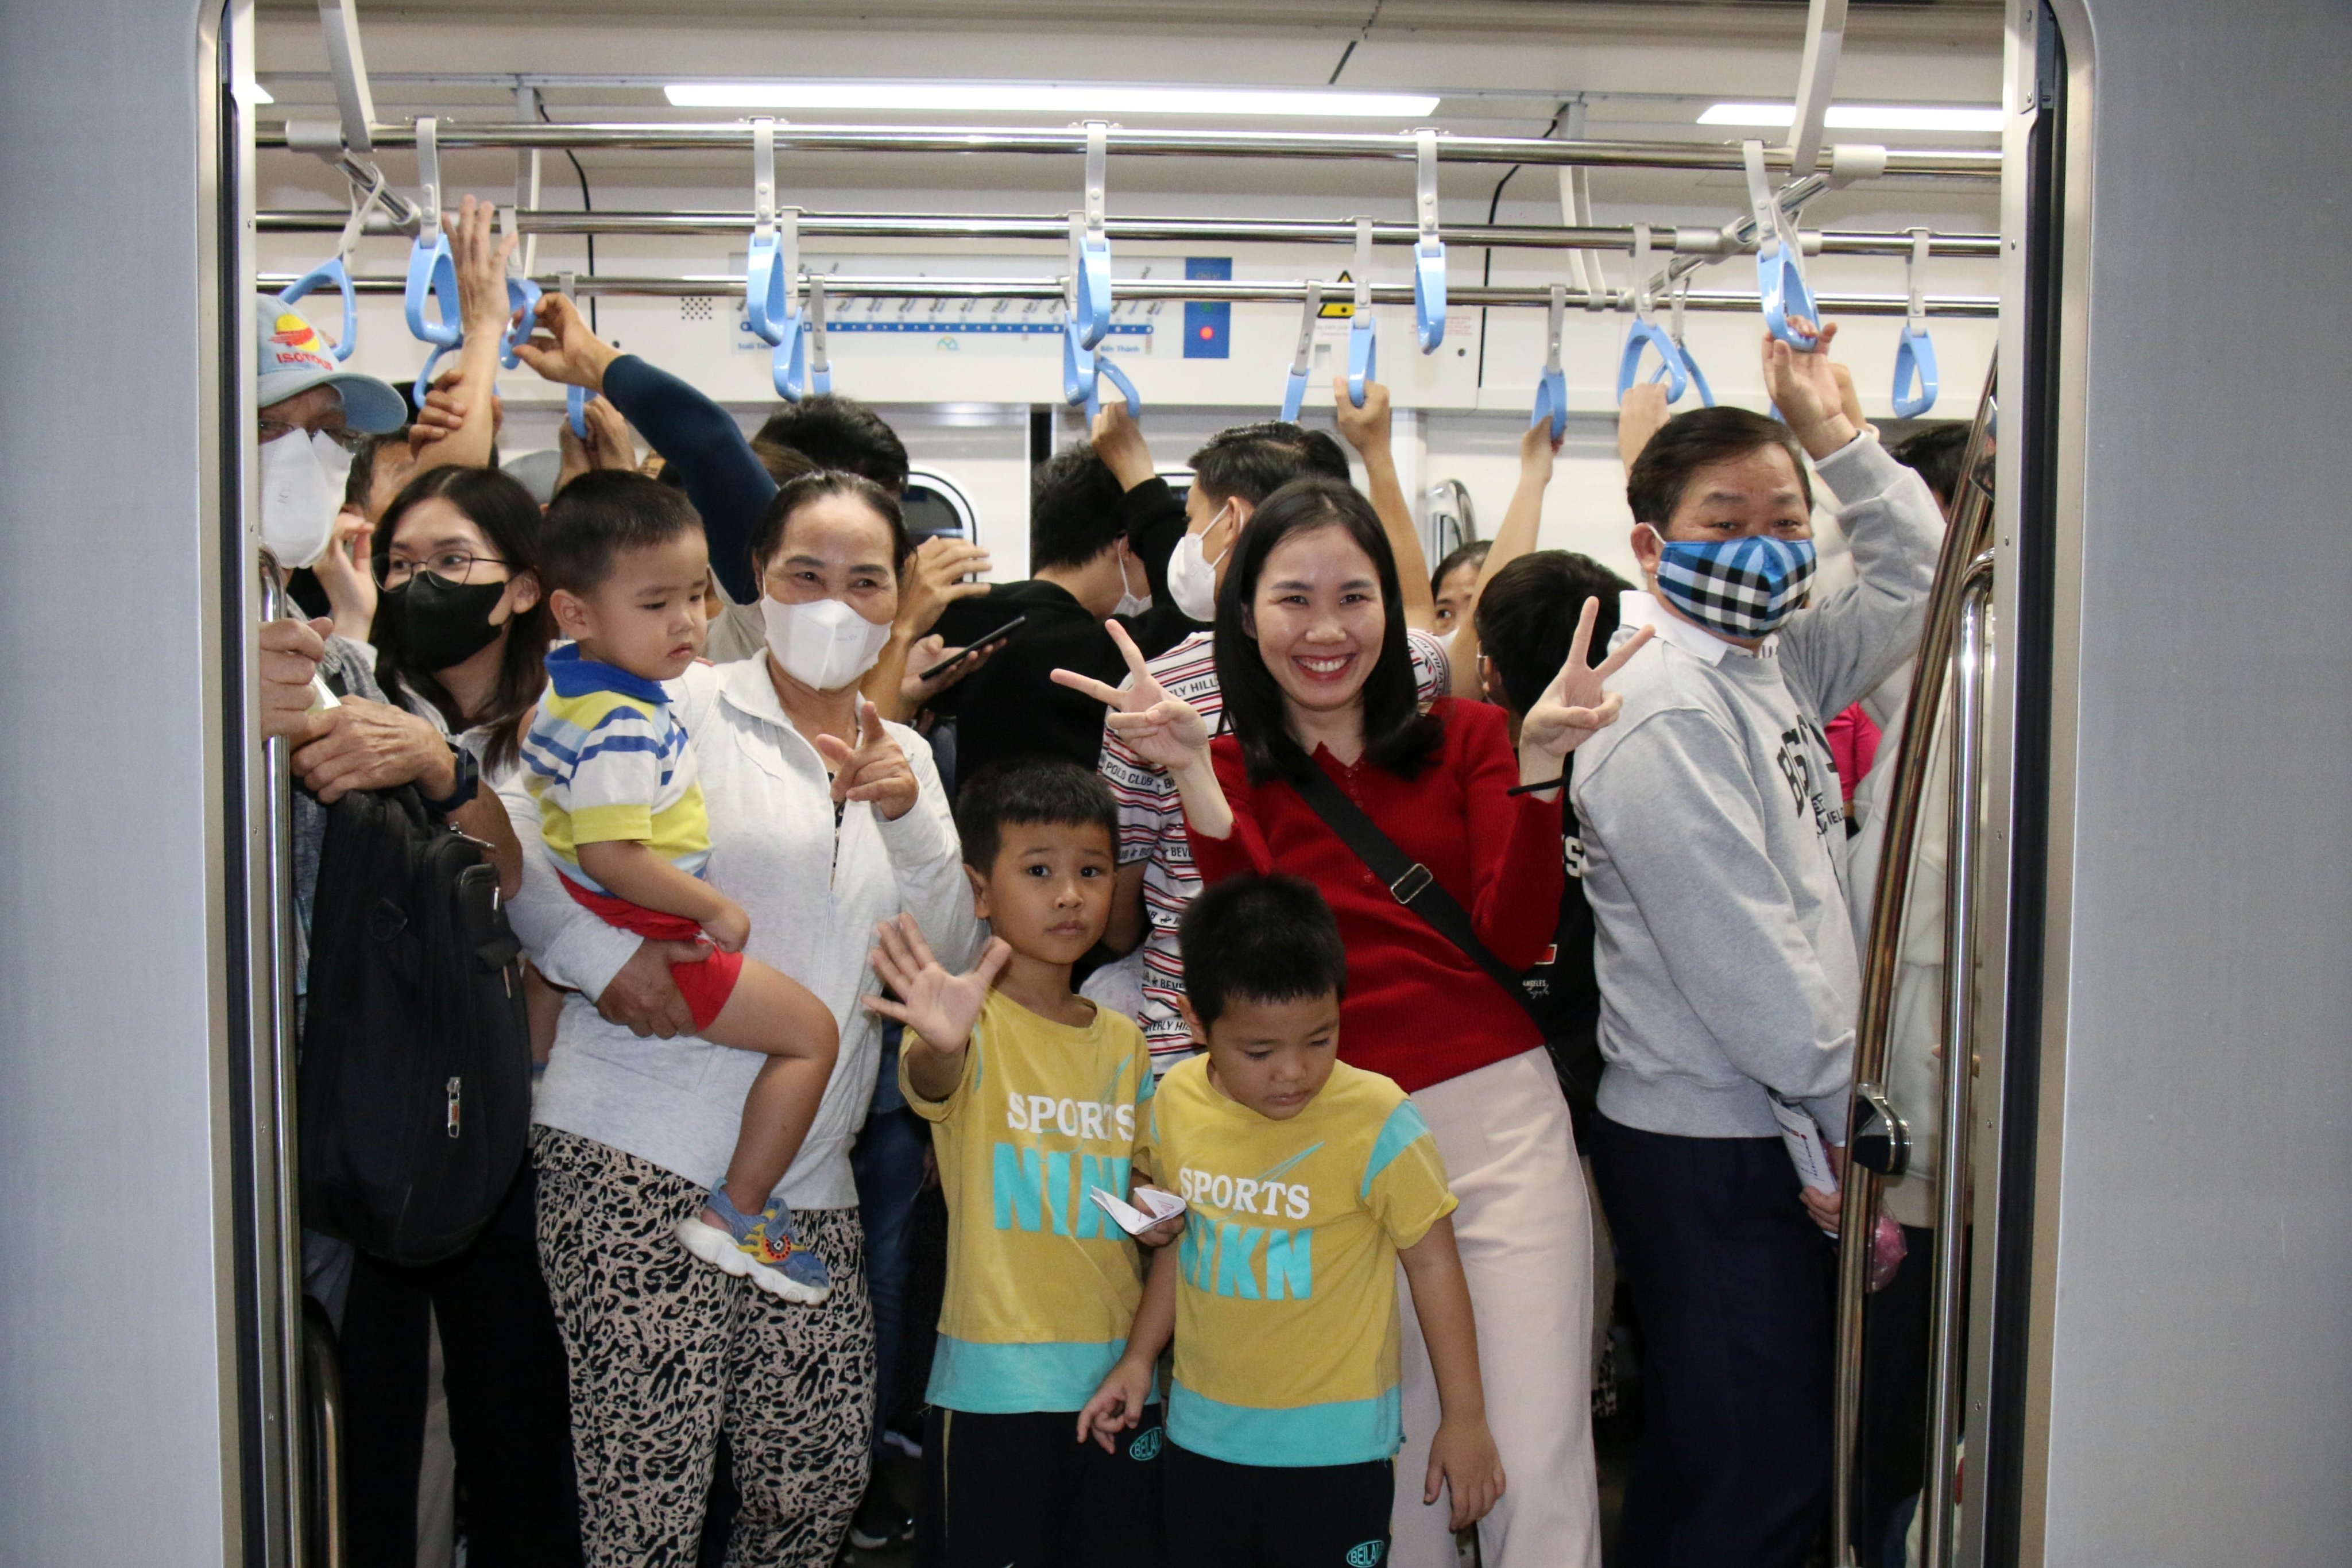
311 408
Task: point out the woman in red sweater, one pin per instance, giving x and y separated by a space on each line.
1311 658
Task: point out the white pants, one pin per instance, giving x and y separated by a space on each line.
1525 1235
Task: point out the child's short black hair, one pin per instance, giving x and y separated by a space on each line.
597 517
1032 791
1259 939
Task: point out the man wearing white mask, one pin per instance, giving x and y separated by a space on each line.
1238 469
1715 851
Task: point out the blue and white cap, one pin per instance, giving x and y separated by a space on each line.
290 358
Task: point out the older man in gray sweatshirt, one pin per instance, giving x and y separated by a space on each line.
1711 816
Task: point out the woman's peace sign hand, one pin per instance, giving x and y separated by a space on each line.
1576 704
1165 731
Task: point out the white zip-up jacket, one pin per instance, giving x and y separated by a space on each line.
1715 839
814 897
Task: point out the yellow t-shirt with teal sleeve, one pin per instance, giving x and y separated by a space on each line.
1286 1325
1042 1284
607 758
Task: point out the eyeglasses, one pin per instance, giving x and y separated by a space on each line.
348 439
452 566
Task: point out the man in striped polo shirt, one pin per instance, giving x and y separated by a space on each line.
1237 470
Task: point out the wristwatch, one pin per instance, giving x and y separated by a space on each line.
469 774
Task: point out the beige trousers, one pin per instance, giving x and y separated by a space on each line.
1525 1233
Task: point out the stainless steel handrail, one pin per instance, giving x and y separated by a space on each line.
684 136
1984 307
275 1157
1966 537
1055 228
1948 1319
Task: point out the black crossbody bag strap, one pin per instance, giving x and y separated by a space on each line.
1411 882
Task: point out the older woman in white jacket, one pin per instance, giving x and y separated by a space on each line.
823 820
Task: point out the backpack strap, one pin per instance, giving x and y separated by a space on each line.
1413 885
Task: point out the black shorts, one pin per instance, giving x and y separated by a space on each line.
1222 1515
1021 1492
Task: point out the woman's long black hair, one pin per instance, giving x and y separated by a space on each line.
1397 735
509 518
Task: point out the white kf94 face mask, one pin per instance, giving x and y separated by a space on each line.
302 476
1192 578
824 642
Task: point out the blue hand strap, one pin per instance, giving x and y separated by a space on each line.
1697 378
1779 262
764 296
1093 308
1428 250
433 274
332 271
1551 384
788 366
1294 396
1082 370
523 301
1363 357
1551 403
1914 357
575 410
1644 335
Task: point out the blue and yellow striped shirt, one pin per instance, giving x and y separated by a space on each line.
608 760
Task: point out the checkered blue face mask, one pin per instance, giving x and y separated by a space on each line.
1738 587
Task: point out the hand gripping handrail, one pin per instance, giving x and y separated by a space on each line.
1551 385
1678 290
1645 333
1914 355
1428 250
575 398
1294 393
1090 258
1779 261
1363 343
431 271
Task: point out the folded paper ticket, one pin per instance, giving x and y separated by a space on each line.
1161 1207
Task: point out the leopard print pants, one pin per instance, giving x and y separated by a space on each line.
666 1351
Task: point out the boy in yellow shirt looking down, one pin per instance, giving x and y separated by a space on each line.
1034 1096
1307 1181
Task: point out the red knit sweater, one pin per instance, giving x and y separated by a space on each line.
1417 1009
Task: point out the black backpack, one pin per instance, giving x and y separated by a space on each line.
416 1064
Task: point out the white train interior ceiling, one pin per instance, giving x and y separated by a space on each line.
962 398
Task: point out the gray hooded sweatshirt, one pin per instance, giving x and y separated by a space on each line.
1715 837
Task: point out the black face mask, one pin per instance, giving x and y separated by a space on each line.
441 622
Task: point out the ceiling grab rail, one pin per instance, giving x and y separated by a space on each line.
431 274
1779 261
1363 342
1294 393
575 398
1643 333
337 269
1429 250
1878 1146
1082 369
1677 291
1091 261
1551 383
1914 355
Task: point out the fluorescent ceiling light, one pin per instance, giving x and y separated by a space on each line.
262 94
1861 116
1049 97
